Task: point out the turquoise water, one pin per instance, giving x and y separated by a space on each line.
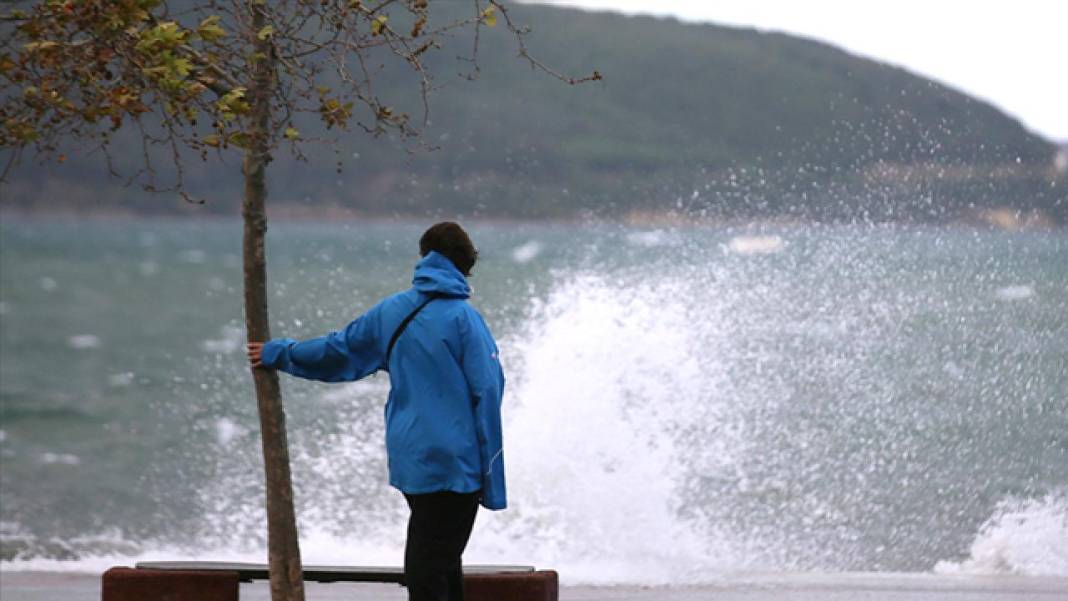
681 401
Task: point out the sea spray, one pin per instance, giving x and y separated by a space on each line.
1023 536
859 399
604 374
600 390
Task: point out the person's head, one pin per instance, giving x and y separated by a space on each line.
451 240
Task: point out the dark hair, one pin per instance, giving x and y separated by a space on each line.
449 239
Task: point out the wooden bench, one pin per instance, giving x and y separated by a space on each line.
218 581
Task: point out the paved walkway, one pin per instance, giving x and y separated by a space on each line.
53 586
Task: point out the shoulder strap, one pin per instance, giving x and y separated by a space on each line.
404 324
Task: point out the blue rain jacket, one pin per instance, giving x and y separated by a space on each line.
443 416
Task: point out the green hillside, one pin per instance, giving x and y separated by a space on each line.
701 119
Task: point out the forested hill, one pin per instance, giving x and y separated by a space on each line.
690 119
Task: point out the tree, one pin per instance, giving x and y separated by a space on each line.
213 77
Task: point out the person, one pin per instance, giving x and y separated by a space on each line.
443 414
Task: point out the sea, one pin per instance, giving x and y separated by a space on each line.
685 404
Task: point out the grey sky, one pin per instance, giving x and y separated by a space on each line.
1012 54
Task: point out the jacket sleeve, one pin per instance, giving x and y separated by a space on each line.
342 356
485 381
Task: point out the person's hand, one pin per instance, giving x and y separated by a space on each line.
255 354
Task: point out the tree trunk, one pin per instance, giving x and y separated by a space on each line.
287 581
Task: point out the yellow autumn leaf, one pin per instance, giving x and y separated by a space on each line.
378 24
266 32
489 16
240 139
291 133
209 29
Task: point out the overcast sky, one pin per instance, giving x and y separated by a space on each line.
1012 54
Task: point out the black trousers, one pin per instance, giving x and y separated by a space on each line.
438 530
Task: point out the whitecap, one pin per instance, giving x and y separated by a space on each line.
216 284
1017 292
755 245
121 380
651 238
60 459
83 341
526 253
4 308
193 255
231 339
48 284
3 436
1023 536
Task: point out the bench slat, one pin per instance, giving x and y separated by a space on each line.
248 572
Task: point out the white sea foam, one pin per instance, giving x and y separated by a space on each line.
4 308
3 436
230 340
60 459
525 253
755 245
193 255
601 373
1023 536
652 238
121 380
95 552
99 552
1013 293
227 430
48 284
83 341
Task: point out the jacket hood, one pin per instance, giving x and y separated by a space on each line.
435 273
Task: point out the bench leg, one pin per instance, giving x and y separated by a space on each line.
126 584
542 585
